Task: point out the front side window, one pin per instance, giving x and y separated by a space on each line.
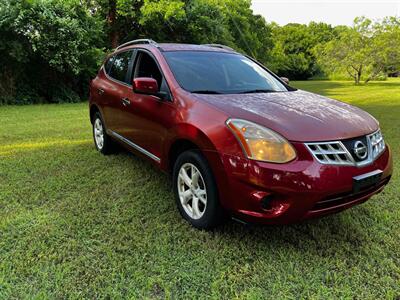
147 67
120 66
220 73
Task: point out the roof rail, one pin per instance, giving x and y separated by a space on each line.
219 46
135 42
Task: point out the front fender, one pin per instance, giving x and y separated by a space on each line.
194 135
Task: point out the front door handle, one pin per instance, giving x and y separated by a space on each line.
100 91
126 101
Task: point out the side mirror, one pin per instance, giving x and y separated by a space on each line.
148 86
285 80
145 85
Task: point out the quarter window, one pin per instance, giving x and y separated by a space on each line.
108 64
120 66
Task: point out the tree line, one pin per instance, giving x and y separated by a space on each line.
50 49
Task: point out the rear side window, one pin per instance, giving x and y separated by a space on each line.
120 66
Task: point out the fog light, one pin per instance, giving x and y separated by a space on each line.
272 205
266 202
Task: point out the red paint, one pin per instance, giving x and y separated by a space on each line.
156 125
145 85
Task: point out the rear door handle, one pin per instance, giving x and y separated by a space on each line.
100 91
125 102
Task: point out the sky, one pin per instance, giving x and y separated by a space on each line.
339 12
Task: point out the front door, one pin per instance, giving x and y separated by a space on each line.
149 116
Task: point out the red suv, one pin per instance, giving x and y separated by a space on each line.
237 139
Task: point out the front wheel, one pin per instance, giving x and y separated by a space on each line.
195 191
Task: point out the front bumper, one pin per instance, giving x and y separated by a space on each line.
285 193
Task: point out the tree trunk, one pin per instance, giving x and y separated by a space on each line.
111 20
358 75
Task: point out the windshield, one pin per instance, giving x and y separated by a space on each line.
220 73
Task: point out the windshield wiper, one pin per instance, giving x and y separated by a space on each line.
205 92
257 91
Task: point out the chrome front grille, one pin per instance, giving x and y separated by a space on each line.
344 152
332 153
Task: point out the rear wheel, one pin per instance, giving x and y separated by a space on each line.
102 140
195 190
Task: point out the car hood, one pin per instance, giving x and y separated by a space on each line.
298 115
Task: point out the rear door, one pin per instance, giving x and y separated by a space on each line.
115 88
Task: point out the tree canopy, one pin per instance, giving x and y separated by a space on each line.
50 49
365 50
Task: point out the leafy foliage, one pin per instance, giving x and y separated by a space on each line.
49 49
366 50
293 53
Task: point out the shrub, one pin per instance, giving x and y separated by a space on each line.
49 49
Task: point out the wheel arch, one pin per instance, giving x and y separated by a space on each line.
188 137
92 110
185 137
179 146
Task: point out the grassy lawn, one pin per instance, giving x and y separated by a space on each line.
76 224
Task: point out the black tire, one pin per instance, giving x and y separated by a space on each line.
108 145
213 213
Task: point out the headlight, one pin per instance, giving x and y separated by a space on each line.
260 143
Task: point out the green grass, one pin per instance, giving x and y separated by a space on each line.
76 224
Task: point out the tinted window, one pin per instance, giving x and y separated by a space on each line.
120 66
108 64
220 72
147 67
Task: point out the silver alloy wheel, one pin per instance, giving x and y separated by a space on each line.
98 133
192 191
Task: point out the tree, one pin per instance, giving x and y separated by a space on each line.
208 21
366 49
113 32
250 33
50 49
385 47
61 43
293 54
120 19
